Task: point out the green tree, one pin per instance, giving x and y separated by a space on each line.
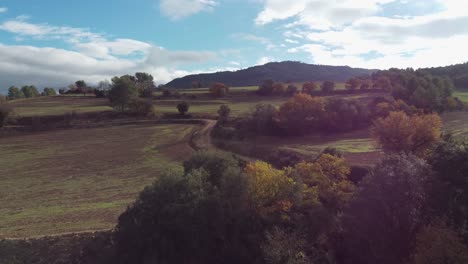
188 218
183 107
449 160
353 83
15 93
145 84
49 92
123 90
29 91
382 220
301 113
328 86
81 87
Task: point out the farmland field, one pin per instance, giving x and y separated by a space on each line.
59 105
82 179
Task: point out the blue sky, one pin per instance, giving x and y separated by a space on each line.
53 43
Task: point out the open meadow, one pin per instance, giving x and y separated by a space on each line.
82 179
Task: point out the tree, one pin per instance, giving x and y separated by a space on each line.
268 188
81 87
262 119
183 107
266 88
437 243
219 89
449 160
49 92
328 86
200 216
409 134
29 91
353 83
301 113
145 84
15 93
309 87
223 113
122 92
382 220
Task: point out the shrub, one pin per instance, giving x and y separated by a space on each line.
6 111
141 106
223 113
155 113
183 107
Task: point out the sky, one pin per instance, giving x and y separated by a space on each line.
54 43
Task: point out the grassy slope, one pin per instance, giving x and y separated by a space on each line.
76 180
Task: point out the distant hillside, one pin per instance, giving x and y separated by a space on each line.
277 71
458 73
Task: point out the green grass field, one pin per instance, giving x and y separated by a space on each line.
59 105
82 179
462 95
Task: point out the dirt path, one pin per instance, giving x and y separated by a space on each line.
201 139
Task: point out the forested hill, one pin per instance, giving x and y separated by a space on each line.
277 71
458 73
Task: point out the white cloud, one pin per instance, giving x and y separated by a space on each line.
91 57
358 33
3 9
178 9
250 37
264 60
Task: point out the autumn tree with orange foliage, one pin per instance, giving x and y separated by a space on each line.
301 113
219 89
408 134
309 87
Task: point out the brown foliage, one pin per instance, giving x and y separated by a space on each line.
219 89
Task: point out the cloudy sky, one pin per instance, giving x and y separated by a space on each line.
53 43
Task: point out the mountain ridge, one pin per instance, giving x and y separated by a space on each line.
278 71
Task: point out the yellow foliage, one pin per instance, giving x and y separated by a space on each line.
402 133
325 180
268 186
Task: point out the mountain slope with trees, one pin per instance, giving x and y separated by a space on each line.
277 71
458 73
